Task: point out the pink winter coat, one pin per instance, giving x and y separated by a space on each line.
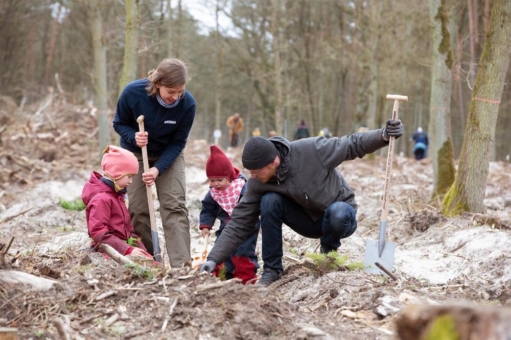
108 219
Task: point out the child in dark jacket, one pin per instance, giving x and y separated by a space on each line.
108 219
227 186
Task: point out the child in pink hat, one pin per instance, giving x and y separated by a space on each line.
108 219
226 187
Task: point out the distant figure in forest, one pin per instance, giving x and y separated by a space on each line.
324 132
420 149
235 124
302 131
256 132
363 128
169 111
108 220
272 133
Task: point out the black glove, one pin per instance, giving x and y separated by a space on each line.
207 266
394 128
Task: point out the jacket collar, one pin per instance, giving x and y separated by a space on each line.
283 147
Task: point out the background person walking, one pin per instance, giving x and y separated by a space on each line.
420 148
235 124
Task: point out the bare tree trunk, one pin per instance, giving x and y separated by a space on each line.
170 31
53 42
453 321
143 59
276 66
467 192
373 73
99 74
30 56
177 37
129 70
472 19
486 16
219 70
441 148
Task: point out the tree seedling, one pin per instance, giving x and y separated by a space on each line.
76 205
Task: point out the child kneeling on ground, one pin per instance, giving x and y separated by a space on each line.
108 219
226 187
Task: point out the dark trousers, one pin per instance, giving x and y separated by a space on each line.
419 154
234 140
338 222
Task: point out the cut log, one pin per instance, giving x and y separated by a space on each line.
38 283
454 322
7 333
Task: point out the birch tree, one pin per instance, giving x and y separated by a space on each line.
441 147
467 192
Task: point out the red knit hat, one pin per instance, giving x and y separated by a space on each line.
220 166
118 162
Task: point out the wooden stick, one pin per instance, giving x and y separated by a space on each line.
385 270
115 255
62 329
152 218
105 295
167 318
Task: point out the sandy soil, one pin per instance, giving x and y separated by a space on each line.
438 259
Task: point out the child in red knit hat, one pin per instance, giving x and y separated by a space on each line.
108 219
226 187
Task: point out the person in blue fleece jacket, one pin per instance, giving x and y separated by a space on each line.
169 111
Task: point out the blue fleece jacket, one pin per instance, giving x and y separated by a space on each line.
168 129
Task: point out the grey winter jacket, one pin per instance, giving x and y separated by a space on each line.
307 174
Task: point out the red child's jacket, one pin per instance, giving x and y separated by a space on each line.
108 219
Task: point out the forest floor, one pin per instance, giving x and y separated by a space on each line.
47 153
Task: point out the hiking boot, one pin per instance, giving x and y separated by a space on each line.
269 276
326 250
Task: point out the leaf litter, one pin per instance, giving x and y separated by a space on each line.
438 259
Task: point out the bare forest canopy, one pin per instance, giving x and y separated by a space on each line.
329 62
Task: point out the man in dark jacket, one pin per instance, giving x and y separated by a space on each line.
297 183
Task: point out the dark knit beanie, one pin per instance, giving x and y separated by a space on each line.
219 165
258 153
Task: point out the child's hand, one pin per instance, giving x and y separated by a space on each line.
140 252
204 232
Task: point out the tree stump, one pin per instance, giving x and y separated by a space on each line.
7 333
454 322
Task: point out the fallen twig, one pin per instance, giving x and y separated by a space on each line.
137 333
8 218
62 328
220 284
386 271
105 295
111 320
167 318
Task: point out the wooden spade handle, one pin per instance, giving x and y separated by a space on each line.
385 208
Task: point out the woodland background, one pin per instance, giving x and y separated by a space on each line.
330 62
338 59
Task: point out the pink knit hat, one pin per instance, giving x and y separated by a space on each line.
118 162
219 165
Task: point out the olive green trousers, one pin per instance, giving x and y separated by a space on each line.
171 190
